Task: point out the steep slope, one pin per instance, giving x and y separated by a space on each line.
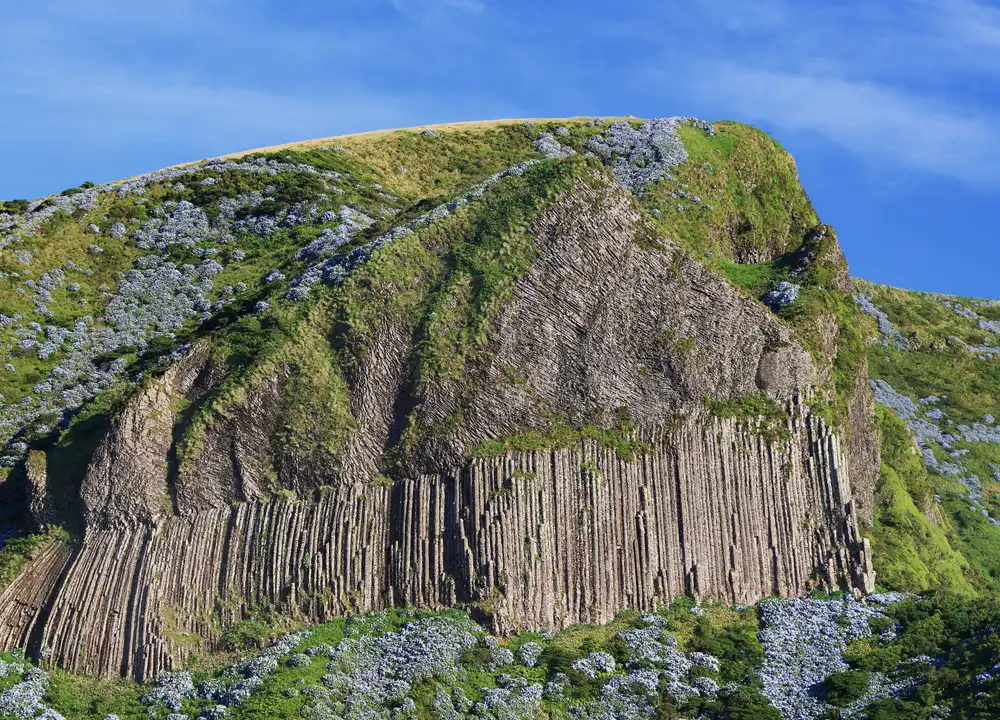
529 369
936 371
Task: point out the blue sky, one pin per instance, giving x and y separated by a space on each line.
890 108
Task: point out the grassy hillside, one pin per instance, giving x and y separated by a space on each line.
292 257
936 366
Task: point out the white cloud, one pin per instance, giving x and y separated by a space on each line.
746 15
868 119
968 22
435 8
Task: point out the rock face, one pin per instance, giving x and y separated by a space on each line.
602 326
127 480
41 506
537 539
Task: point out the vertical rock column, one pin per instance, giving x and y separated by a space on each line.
135 602
556 537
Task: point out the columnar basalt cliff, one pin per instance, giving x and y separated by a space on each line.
542 539
535 402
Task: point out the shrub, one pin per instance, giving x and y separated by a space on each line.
14 206
843 688
246 634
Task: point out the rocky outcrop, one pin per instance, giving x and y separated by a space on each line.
538 539
609 323
41 504
128 479
599 327
549 539
602 324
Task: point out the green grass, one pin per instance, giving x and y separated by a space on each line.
79 697
437 166
912 547
17 553
759 210
621 439
755 278
758 411
492 251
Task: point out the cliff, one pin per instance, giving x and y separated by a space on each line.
527 387
540 539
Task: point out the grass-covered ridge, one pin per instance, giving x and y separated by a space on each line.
285 260
912 543
937 367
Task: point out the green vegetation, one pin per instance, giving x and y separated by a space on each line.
85 698
246 635
938 365
911 543
16 553
759 210
843 688
14 207
759 411
960 634
929 536
621 439
490 253
317 410
726 634
756 278
438 166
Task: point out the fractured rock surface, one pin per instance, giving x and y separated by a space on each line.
538 539
600 326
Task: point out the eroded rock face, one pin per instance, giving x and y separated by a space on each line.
128 480
540 539
599 327
41 504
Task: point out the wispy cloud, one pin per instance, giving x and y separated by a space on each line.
969 22
870 120
425 9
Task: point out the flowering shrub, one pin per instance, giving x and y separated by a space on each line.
170 689
804 643
642 156
888 333
785 293
548 146
529 653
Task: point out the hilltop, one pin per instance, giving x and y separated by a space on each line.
585 379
